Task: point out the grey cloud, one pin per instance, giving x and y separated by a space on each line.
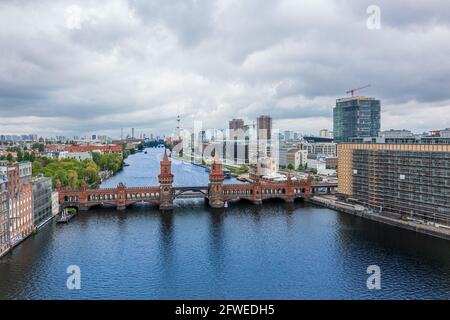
191 19
139 63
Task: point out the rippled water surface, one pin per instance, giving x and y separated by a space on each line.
273 251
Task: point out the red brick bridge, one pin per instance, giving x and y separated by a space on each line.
216 193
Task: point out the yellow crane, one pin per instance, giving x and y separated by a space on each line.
352 91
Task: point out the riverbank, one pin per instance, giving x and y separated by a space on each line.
331 202
33 232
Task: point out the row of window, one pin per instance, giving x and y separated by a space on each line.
114 196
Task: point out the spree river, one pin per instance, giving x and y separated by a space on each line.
273 251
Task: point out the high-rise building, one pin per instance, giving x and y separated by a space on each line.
42 200
356 117
325 133
236 145
400 179
264 135
236 124
132 133
4 214
288 135
252 142
264 127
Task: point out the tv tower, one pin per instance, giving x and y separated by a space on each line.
178 131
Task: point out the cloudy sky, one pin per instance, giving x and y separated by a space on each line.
78 67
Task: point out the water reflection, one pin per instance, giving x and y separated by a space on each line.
216 239
166 240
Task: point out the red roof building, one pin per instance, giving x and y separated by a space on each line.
103 148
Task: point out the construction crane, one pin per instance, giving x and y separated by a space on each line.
352 91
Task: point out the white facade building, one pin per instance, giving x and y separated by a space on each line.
55 203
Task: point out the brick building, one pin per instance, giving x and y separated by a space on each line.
4 215
21 220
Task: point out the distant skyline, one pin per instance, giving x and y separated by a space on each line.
127 133
80 67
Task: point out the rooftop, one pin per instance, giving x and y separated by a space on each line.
355 98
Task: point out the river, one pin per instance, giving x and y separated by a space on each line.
273 251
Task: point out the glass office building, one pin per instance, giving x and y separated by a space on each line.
356 117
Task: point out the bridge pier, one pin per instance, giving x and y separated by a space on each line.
166 206
121 207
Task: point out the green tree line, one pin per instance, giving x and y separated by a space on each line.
73 173
70 172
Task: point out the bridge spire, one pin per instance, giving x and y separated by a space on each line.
165 157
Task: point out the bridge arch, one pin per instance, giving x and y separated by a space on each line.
273 198
190 192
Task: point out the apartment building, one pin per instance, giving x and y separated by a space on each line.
4 215
21 219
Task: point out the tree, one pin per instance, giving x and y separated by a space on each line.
110 161
9 157
290 166
243 169
314 171
37 168
39 146
91 174
300 167
19 155
72 178
62 176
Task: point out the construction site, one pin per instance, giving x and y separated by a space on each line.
411 182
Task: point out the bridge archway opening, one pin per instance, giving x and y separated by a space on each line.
299 199
193 193
274 200
102 205
240 201
142 204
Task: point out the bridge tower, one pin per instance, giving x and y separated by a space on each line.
165 184
215 188
121 193
290 196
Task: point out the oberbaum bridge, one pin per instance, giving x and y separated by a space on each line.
216 192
